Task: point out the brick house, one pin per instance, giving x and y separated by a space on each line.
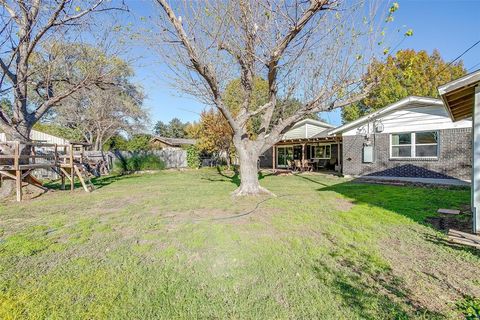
411 138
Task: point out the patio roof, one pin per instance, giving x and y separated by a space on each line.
459 95
316 139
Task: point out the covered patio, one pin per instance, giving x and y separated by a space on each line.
462 99
312 154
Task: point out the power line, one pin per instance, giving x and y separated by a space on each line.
473 67
458 57
470 48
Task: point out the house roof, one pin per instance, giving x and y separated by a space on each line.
422 101
174 142
313 122
459 95
307 132
322 134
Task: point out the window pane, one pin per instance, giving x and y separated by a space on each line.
401 151
426 137
319 150
401 138
327 152
426 151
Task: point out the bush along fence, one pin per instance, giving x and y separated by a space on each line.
128 161
193 157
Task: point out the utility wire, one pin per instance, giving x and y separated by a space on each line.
473 67
458 57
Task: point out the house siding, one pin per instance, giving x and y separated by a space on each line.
266 159
412 118
454 160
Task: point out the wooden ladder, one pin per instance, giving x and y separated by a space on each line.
84 177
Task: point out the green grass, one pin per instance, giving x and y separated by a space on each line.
170 246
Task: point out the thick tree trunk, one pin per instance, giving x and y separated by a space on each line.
249 184
18 133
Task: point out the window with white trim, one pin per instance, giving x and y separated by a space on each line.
321 151
414 145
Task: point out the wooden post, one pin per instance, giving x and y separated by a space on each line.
18 181
18 173
274 158
339 157
55 155
72 171
304 167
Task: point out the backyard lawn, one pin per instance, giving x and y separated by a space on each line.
176 245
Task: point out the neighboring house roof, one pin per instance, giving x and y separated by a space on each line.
459 95
174 142
420 101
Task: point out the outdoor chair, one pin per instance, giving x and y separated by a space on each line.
298 165
290 165
307 166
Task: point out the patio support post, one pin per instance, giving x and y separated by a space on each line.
476 162
303 154
274 157
339 157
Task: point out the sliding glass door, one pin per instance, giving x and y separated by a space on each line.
283 155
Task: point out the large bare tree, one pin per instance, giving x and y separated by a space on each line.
314 51
35 70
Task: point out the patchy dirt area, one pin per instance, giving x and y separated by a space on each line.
443 222
342 204
430 279
462 222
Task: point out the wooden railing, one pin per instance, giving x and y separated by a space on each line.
52 155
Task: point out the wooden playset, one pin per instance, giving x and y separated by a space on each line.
67 160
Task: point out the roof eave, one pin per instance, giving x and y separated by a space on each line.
391 107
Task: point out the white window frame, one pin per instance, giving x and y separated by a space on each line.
413 144
312 151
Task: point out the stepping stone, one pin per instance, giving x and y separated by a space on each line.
448 211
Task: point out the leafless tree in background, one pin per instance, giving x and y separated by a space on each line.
314 51
35 70
99 114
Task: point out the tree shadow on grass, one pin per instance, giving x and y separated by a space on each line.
310 179
414 202
370 294
99 182
234 177
419 203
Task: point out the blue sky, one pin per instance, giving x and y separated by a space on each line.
448 25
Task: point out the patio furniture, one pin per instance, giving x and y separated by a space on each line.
314 163
306 166
290 165
297 166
